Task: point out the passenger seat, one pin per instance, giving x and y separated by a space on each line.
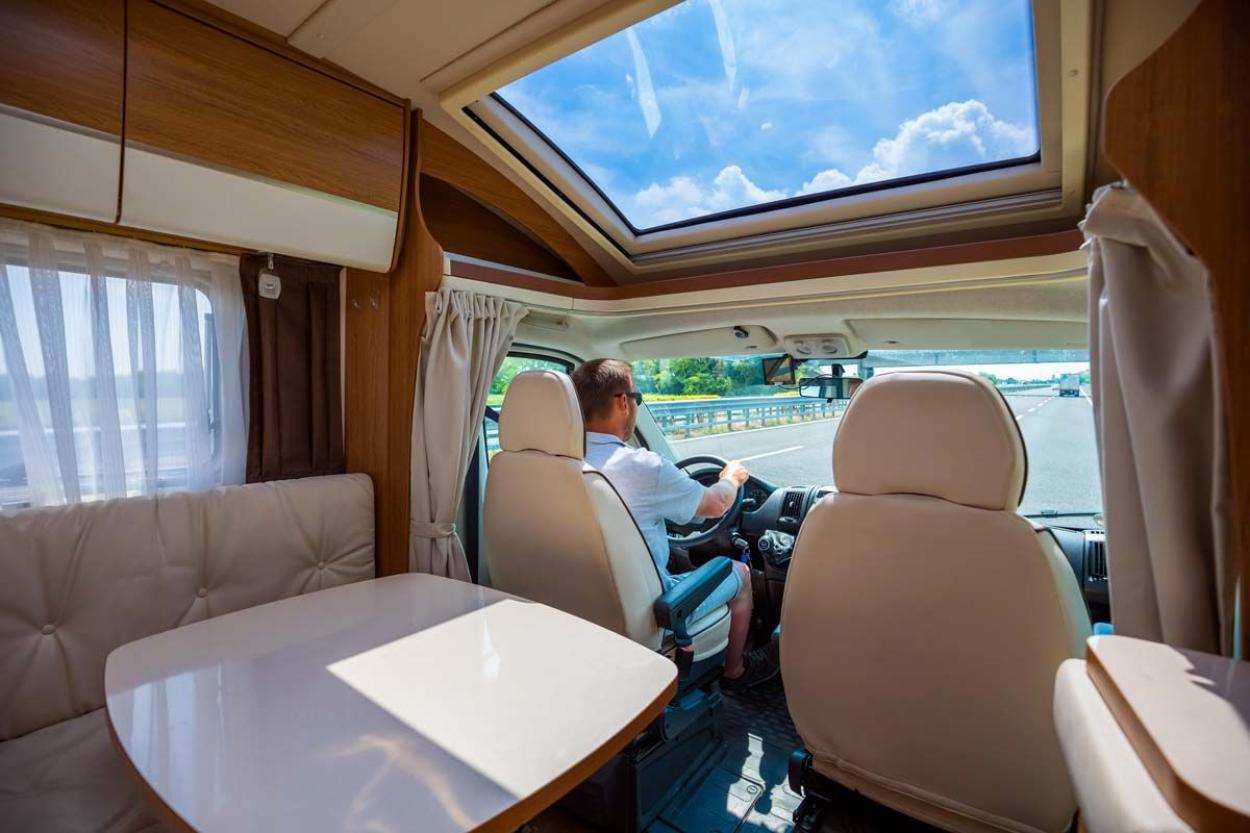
924 618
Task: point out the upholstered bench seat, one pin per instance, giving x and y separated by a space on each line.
66 778
78 581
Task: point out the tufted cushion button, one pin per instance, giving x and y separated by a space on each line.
321 565
203 591
48 629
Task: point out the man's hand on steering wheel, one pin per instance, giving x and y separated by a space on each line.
734 471
696 534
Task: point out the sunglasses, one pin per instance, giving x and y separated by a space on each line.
634 395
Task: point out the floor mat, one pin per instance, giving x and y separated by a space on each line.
743 789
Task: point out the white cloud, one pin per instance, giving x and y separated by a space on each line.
683 197
953 135
825 181
917 12
766 126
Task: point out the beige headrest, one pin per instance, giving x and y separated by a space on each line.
541 413
944 433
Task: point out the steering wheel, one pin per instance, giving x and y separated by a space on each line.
706 531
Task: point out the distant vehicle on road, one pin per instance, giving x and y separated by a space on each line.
1070 385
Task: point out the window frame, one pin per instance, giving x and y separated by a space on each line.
1049 187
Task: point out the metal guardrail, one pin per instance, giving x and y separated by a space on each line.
700 417
692 417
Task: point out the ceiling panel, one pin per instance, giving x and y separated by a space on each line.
397 44
281 16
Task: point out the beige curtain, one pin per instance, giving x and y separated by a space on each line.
1160 426
465 340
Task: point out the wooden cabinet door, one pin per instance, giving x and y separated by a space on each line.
198 92
61 87
64 59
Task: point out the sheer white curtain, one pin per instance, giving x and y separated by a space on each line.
465 340
1160 424
121 367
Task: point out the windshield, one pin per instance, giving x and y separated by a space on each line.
722 406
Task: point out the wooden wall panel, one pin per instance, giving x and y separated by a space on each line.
463 225
452 162
385 314
64 59
194 90
1178 129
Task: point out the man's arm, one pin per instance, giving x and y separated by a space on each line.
718 498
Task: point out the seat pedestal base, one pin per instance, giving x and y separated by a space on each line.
629 791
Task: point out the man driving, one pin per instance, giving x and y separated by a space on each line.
655 490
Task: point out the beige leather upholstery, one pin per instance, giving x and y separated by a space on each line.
78 581
1115 792
67 778
556 530
924 619
945 434
543 415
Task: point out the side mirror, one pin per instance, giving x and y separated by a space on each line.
829 387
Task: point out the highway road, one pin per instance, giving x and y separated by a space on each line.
1058 434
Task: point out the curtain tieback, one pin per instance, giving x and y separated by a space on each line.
433 530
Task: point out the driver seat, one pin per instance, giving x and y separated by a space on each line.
558 533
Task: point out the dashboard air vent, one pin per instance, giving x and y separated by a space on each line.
1096 555
792 504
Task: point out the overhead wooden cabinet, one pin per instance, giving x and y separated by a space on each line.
61 74
228 140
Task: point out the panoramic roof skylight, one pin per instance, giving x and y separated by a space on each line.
717 106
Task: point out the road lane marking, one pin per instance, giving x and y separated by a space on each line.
769 453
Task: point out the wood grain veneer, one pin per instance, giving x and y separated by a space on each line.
64 59
1177 128
196 91
452 162
385 314
241 27
463 225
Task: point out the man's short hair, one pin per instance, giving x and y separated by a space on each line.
598 382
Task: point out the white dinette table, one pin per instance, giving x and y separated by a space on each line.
402 703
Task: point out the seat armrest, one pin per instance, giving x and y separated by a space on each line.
674 609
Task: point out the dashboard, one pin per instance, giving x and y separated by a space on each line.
772 515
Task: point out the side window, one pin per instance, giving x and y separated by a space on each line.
110 374
514 364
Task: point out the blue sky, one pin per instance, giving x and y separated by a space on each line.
718 104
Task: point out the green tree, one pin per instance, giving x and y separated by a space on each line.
706 384
744 373
513 365
646 375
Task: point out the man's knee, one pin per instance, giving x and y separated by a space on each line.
743 598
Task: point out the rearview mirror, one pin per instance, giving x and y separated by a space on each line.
829 387
778 370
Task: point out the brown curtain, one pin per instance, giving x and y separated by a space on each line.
295 426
